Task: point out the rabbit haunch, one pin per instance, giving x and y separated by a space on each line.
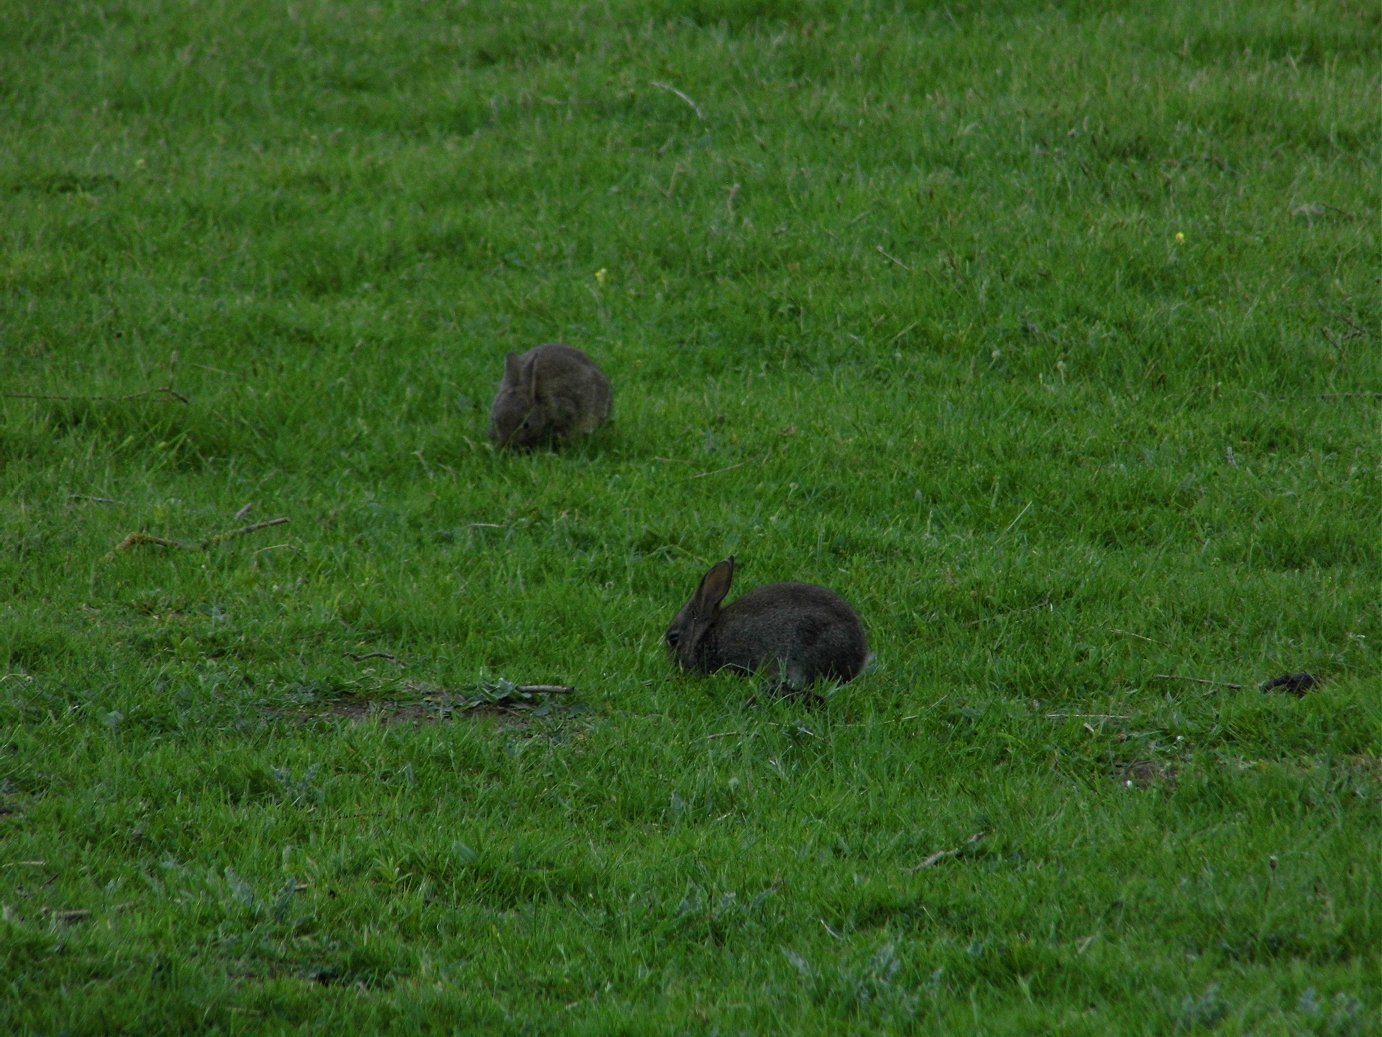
797 632
549 393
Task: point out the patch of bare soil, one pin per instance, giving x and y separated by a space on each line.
1146 773
432 704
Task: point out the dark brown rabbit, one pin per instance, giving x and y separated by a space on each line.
548 394
796 633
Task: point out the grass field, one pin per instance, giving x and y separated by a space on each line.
1047 333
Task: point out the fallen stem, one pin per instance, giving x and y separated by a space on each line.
673 90
140 539
1197 680
890 257
546 689
941 855
1015 521
165 392
1087 716
720 471
374 655
1008 615
1140 637
221 538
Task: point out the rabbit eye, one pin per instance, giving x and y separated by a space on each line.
673 638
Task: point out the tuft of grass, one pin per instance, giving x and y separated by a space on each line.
1046 335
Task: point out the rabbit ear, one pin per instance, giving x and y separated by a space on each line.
714 586
518 376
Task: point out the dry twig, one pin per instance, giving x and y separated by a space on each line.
164 393
221 538
1140 637
376 655
890 257
673 90
941 855
1087 716
140 539
1197 680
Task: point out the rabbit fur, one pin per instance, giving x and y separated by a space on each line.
797 633
548 394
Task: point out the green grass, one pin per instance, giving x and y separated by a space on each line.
1048 334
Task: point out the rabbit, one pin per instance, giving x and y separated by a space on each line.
797 633
548 394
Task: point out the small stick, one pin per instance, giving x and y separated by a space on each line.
941 855
730 468
221 538
1365 332
138 539
165 392
1007 615
93 500
889 256
1140 637
672 183
1017 520
374 655
673 90
1087 716
546 689
1197 680
718 471
277 547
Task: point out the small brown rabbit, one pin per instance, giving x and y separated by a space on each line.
548 394
796 632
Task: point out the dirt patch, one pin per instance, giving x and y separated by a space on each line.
430 711
1145 774
431 704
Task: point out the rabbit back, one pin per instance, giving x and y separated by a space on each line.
797 632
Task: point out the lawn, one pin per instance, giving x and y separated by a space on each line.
1048 334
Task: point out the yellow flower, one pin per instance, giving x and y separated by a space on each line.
600 276
1180 238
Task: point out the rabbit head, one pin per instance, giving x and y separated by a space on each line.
686 637
516 420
